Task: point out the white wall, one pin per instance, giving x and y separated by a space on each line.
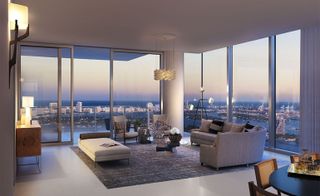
6 109
173 91
309 89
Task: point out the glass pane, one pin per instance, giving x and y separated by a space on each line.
66 95
288 91
91 90
134 85
215 83
39 78
250 83
192 83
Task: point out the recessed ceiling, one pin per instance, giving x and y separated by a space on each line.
199 25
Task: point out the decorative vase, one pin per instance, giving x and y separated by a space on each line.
175 139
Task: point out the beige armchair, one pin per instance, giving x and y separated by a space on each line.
120 127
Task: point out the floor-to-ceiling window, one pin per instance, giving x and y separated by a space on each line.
215 82
250 83
288 91
47 74
192 84
134 86
41 68
91 89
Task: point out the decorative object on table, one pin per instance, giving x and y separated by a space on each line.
27 103
306 164
19 19
144 135
175 137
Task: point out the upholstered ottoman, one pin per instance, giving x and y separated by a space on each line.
104 149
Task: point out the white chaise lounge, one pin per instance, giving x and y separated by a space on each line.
103 149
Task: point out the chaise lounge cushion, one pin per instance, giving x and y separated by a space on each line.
97 149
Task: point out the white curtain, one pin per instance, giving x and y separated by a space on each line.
310 89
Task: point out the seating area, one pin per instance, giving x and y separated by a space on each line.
192 98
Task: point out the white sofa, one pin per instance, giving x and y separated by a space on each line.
98 150
231 148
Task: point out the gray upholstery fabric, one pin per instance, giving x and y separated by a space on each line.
231 149
199 137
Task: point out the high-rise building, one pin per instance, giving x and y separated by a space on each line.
53 107
79 106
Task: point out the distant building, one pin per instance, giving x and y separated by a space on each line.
53 106
79 106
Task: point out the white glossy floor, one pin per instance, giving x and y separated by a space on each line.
64 174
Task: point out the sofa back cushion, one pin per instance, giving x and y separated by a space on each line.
205 125
236 128
226 126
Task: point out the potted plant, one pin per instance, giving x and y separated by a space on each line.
175 136
137 123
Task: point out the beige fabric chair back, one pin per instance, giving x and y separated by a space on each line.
263 171
159 117
119 124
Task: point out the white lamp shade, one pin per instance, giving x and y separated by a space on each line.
20 13
27 101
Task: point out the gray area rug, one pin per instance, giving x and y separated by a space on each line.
148 166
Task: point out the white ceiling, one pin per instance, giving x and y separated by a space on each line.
199 25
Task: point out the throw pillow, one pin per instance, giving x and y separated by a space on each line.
256 128
215 128
226 126
205 125
236 128
248 125
218 122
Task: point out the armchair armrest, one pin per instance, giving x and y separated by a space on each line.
207 154
195 130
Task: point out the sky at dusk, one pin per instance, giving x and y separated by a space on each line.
250 74
133 73
133 79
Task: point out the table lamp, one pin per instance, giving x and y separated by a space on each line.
27 103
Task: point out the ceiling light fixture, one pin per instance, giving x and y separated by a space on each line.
164 73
